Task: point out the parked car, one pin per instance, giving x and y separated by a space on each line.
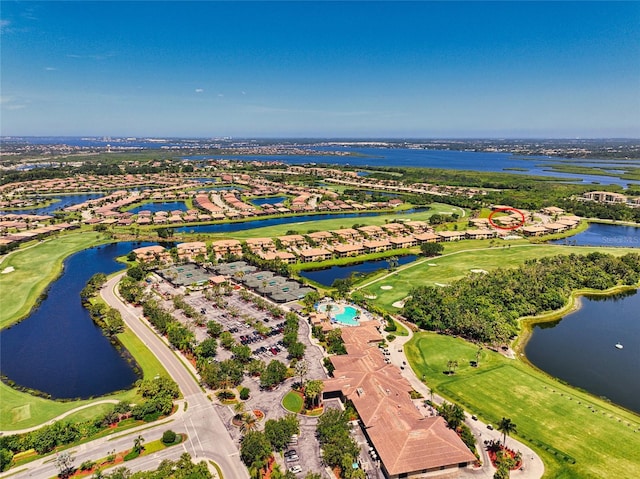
292 458
291 452
295 469
490 427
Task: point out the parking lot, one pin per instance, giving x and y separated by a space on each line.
262 332
236 315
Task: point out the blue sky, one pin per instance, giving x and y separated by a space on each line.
318 69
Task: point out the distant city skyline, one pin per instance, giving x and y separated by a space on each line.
321 69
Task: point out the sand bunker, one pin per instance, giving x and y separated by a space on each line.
398 304
386 287
478 271
431 264
8 269
441 284
371 296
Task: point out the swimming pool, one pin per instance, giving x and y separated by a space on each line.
341 314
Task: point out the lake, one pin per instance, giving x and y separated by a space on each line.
445 159
580 348
160 206
247 225
268 201
599 234
58 349
64 201
327 276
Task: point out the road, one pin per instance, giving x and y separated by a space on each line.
207 437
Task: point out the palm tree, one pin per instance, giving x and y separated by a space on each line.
328 310
393 262
249 423
137 444
506 427
238 408
301 370
451 366
452 413
478 356
313 390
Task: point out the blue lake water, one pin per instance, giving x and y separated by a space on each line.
58 349
222 188
445 159
580 348
161 206
293 220
327 276
598 234
268 201
65 201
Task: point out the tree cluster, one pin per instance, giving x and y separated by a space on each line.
332 339
177 334
183 468
486 307
158 395
339 449
591 209
295 348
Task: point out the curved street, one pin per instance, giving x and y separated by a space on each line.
208 439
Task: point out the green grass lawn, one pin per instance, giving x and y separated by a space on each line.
293 401
554 419
333 224
458 261
35 268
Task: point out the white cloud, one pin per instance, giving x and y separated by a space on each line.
95 56
199 90
50 69
4 26
220 95
10 103
244 92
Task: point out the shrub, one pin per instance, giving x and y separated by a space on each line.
244 393
168 437
87 465
225 395
132 455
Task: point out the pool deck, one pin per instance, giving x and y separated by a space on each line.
339 308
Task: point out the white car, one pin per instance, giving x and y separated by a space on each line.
291 458
295 469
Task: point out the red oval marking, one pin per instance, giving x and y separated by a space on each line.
498 210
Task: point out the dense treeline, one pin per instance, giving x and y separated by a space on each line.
486 307
591 209
100 165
